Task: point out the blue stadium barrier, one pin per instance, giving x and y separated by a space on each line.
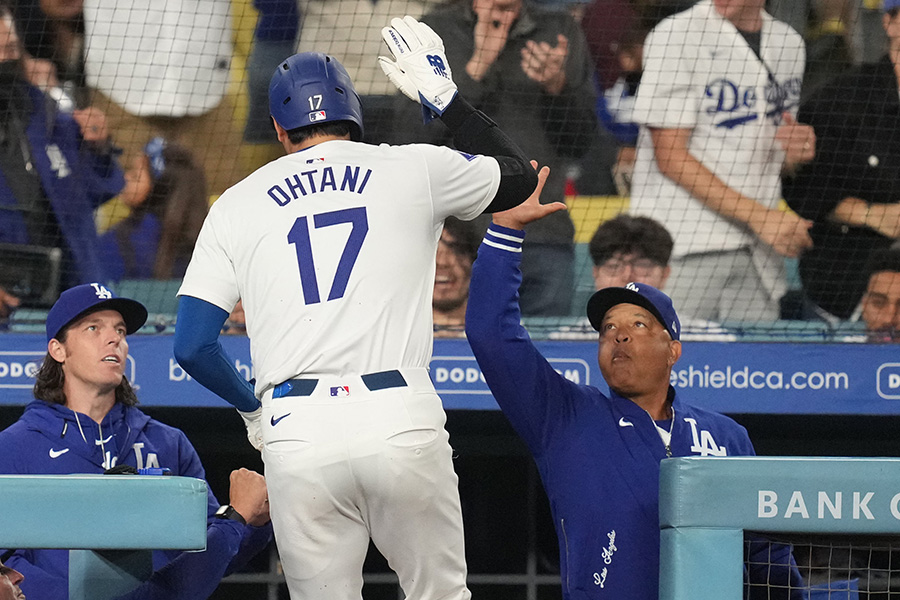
110 523
705 505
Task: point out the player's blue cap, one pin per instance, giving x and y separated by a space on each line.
82 300
641 294
891 5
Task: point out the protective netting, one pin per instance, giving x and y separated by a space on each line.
835 568
121 121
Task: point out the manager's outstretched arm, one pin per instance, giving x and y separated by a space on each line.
420 70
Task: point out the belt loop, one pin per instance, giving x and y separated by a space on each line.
295 387
383 380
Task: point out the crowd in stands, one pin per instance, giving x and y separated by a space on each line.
150 112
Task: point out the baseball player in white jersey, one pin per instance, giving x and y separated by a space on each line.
332 250
717 100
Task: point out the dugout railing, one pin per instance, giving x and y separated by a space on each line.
706 504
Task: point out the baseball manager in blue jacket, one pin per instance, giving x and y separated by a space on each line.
598 454
85 421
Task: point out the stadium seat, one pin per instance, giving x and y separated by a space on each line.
157 295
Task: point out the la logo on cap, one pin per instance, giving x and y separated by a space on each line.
631 286
101 291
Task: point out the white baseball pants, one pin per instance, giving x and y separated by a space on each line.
344 464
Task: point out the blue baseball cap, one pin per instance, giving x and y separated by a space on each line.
641 294
85 299
891 5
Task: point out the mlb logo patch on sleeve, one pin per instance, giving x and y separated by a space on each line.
340 391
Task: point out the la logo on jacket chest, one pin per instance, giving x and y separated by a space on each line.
703 442
151 460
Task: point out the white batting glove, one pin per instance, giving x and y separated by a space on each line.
253 421
419 67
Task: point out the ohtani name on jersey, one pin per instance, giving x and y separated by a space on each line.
314 181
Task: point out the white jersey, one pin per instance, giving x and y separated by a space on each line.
700 74
332 250
167 58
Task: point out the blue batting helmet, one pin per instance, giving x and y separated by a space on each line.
311 88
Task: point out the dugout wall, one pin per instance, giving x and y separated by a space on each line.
706 504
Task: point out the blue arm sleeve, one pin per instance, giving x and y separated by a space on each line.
532 395
200 354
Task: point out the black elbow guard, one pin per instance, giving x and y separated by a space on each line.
475 133
517 183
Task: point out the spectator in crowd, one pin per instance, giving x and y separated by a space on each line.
606 24
52 33
166 191
163 70
628 248
528 69
833 33
274 38
851 190
350 30
456 252
85 414
8 303
615 106
589 444
881 302
56 168
9 583
717 100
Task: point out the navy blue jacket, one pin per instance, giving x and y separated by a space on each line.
50 439
598 455
75 179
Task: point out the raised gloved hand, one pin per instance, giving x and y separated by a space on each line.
419 67
254 428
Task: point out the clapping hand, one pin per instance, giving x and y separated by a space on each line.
546 64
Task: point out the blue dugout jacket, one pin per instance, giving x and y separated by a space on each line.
51 439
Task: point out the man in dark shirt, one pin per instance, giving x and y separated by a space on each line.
851 190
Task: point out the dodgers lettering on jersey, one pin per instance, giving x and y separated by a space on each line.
732 104
312 181
700 74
